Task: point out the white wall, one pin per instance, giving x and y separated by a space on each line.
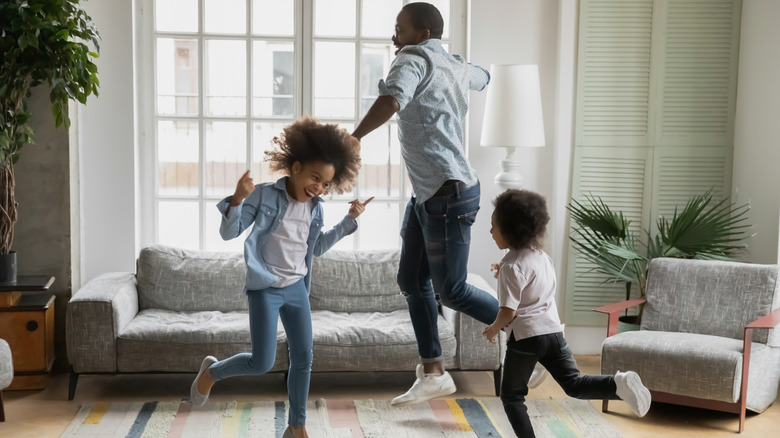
756 147
106 149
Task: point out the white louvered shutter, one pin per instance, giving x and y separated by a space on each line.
655 111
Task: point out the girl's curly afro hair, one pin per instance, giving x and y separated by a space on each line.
522 217
307 140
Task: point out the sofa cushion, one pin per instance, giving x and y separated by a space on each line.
188 280
163 340
694 365
371 341
356 281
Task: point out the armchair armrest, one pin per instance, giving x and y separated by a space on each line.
612 311
770 320
95 316
474 352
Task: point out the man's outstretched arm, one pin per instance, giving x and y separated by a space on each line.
380 112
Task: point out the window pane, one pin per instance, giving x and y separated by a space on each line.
273 80
177 76
225 16
273 17
214 241
177 158
176 15
262 134
334 80
333 213
225 156
380 226
178 224
380 174
225 78
379 17
335 17
444 7
375 62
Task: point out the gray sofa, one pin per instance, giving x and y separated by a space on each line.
182 305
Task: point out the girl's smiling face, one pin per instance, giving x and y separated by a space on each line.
406 34
309 180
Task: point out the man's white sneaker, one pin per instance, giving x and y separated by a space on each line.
426 387
537 376
631 390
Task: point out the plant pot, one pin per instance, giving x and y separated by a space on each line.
8 268
628 323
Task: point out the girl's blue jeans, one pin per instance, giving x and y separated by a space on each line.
291 303
436 235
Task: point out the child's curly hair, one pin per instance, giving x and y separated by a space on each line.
522 217
308 140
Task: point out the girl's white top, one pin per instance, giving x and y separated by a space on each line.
285 251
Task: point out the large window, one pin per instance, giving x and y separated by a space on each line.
228 75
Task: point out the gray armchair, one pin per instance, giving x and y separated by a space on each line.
707 337
6 372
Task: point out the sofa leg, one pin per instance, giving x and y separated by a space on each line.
497 381
2 408
604 405
72 381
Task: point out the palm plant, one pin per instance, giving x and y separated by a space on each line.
703 229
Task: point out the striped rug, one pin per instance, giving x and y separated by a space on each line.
450 417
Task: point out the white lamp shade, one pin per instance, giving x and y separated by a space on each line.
513 110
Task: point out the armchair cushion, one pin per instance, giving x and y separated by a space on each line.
694 365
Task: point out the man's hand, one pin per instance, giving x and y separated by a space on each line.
244 188
357 208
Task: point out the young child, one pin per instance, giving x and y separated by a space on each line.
526 296
286 219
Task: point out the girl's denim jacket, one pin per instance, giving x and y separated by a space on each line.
265 208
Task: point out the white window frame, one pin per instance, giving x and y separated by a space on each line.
147 117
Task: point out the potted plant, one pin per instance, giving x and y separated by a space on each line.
42 42
702 229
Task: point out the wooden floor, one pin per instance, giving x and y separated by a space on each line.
47 413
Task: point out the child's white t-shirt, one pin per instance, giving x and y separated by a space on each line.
526 282
285 251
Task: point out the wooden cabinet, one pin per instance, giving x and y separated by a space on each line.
27 324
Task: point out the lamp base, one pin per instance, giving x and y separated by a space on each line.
509 177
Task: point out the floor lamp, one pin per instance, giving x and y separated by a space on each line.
513 117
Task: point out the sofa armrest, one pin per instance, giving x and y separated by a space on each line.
95 316
613 310
474 351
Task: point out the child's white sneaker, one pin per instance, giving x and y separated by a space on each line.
426 387
631 390
196 397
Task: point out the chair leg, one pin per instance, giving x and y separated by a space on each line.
604 405
2 408
72 382
742 416
497 380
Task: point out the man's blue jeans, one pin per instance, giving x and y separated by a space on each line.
291 303
436 236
